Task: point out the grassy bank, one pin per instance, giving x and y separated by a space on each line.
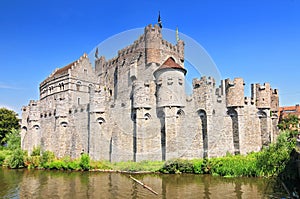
270 161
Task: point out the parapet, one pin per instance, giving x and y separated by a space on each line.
203 81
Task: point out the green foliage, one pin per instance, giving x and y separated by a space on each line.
84 162
103 165
46 158
8 122
130 166
32 161
13 140
177 166
273 159
289 122
233 166
198 165
16 160
36 151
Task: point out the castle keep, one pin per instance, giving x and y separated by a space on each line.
134 107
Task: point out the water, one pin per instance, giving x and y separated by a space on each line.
59 184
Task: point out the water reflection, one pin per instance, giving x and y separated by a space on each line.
59 184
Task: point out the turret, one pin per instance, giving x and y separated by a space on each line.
274 100
262 95
234 92
170 84
202 90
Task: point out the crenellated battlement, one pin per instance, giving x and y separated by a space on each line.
203 81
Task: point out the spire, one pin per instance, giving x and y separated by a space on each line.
177 34
159 20
96 53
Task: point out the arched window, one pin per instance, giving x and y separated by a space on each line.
64 124
78 85
265 135
180 113
203 126
101 120
235 130
36 127
147 116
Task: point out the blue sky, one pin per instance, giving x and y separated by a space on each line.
258 40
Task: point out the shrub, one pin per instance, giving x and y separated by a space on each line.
84 162
36 151
56 164
2 158
32 161
13 140
273 159
198 166
234 166
177 166
16 160
46 158
100 165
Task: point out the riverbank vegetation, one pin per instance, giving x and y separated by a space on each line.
270 161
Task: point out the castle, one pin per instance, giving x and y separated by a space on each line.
134 107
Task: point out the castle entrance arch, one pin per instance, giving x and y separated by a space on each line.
235 130
203 125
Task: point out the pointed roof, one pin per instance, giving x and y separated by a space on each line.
170 63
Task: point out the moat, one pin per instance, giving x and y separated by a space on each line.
58 184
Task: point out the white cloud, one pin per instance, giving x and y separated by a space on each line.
7 86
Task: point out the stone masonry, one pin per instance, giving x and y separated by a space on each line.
134 107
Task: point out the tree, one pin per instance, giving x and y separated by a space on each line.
290 122
8 122
13 140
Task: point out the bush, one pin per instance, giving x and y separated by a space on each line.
13 140
2 158
100 165
84 162
234 166
177 166
273 159
32 162
198 166
16 160
36 151
46 158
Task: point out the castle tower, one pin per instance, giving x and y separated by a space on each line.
234 92
170 99
153 39
202 92
262 95
170 84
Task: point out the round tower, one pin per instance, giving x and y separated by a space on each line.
170 84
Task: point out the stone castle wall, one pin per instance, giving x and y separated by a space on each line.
132 107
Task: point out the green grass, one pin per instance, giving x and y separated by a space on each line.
150 166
